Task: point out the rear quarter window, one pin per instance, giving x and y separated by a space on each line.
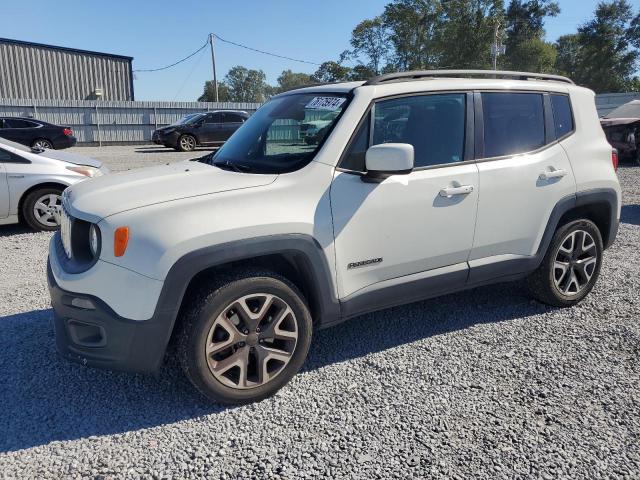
562 115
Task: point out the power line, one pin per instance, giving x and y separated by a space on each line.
176 63
263 52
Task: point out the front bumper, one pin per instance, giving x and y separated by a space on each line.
89 332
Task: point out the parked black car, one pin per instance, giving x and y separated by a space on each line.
212 128
36 133
622 128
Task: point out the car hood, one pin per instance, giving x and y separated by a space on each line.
101 197
71 158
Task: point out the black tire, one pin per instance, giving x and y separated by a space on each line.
542 282
210 302
42 142
186 143
27 211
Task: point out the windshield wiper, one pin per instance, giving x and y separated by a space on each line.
236 167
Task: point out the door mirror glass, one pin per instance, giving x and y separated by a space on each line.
389 159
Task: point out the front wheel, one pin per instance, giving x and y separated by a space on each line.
40 207
245 337
187 143
571 265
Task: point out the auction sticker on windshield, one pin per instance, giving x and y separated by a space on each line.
325 103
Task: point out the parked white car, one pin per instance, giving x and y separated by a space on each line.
32 181
421 186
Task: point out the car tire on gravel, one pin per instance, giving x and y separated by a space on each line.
570 267
39 208
186 143
244 336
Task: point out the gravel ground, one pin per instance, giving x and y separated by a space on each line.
481 384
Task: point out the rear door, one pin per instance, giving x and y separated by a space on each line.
211 129
231 122
524 172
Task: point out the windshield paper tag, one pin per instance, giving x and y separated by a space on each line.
325 103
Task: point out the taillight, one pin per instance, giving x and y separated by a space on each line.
614 159
67 131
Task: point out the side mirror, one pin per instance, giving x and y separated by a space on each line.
388 159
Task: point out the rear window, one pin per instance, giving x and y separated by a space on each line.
513 123
562 117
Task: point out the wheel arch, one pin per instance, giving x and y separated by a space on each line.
297 257
33 188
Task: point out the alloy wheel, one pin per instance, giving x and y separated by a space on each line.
575 263
187 142
42 144
251 341
46 209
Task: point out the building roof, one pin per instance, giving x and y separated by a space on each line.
66 49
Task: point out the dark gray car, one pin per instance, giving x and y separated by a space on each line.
200 129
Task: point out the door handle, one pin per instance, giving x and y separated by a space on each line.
451 191
554 173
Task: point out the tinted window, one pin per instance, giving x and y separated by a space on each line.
513 123
18 123
562 117
233 118
213 118
4 156
433 124
355 157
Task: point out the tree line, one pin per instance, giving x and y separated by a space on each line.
603 53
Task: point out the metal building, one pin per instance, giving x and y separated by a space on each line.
36 71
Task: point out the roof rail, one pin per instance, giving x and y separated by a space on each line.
419 74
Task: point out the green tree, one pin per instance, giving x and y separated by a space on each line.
331 72
246 85
567 61
370 42
208 95
412 27
467 33
526 48
288 80
605 58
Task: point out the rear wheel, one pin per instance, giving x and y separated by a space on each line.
42 143
187 143
245 337
570 267
40 207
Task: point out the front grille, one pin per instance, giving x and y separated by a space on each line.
65 232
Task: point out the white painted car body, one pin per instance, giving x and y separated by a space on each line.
174 210
23 169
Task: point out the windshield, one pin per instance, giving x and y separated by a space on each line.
279 137
188 119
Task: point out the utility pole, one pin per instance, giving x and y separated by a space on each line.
213 61
496 48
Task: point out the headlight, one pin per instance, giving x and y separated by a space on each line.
94 240
86 170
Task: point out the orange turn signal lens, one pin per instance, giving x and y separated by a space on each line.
120 241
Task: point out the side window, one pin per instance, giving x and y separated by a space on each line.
233 118
18 123
213 118
433 124
513 123
5 156
355 157
562 117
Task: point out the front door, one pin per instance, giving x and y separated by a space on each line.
413 223
524 172
4 185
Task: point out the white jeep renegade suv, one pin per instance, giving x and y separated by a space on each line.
423 184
